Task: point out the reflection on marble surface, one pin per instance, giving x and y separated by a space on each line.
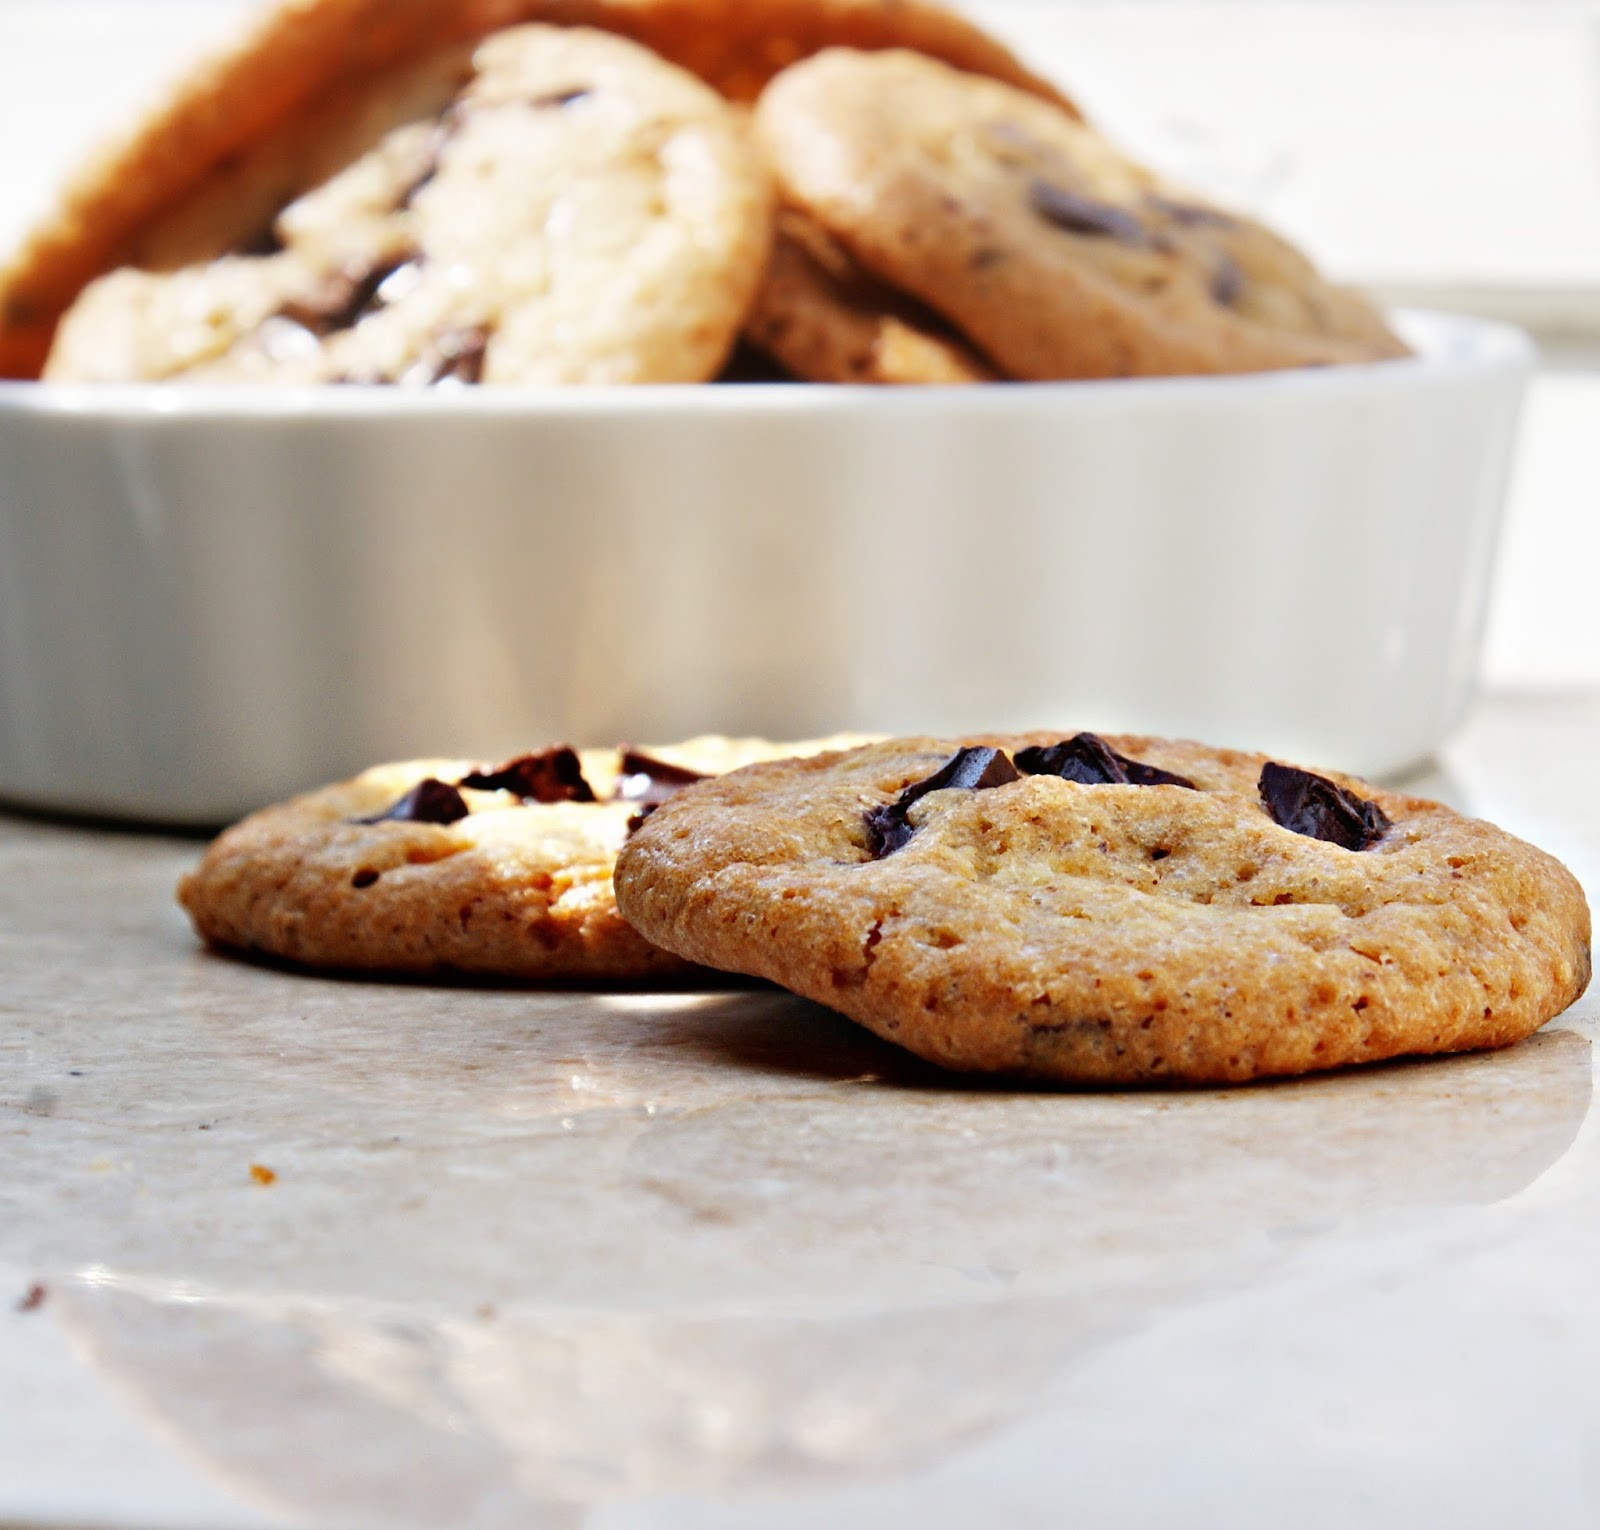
720 1258
792 1291
567 1251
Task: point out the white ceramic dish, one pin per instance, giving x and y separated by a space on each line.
211 599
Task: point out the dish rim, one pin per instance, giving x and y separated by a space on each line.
1446 345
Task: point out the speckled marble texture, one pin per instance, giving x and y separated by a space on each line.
720 1259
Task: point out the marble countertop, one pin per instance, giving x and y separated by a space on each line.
720 1259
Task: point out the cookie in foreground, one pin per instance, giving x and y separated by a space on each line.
435 867
1117 910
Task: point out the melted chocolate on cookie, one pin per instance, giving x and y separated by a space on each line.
1318 808
649 782
1090 761
429 801
970 769
645 779
552 775
1083 215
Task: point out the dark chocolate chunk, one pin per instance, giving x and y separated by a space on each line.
1227 280
429 801
1083 215
1090 761
972 769
649 782
347 297
646 780
636 822
1319 808
553 775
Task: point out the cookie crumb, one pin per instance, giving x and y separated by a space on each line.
262 1175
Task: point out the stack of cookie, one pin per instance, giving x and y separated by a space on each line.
1125 910
430 193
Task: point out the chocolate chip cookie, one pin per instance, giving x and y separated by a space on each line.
444 866
826 320
553 205
1113 910
1055 254
315 84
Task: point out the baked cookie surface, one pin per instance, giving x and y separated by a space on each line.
1056 255
553 205
826 320
313 83
1123 910
431 867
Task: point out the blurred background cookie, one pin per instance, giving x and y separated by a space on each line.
554 205
1055 254
826 320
